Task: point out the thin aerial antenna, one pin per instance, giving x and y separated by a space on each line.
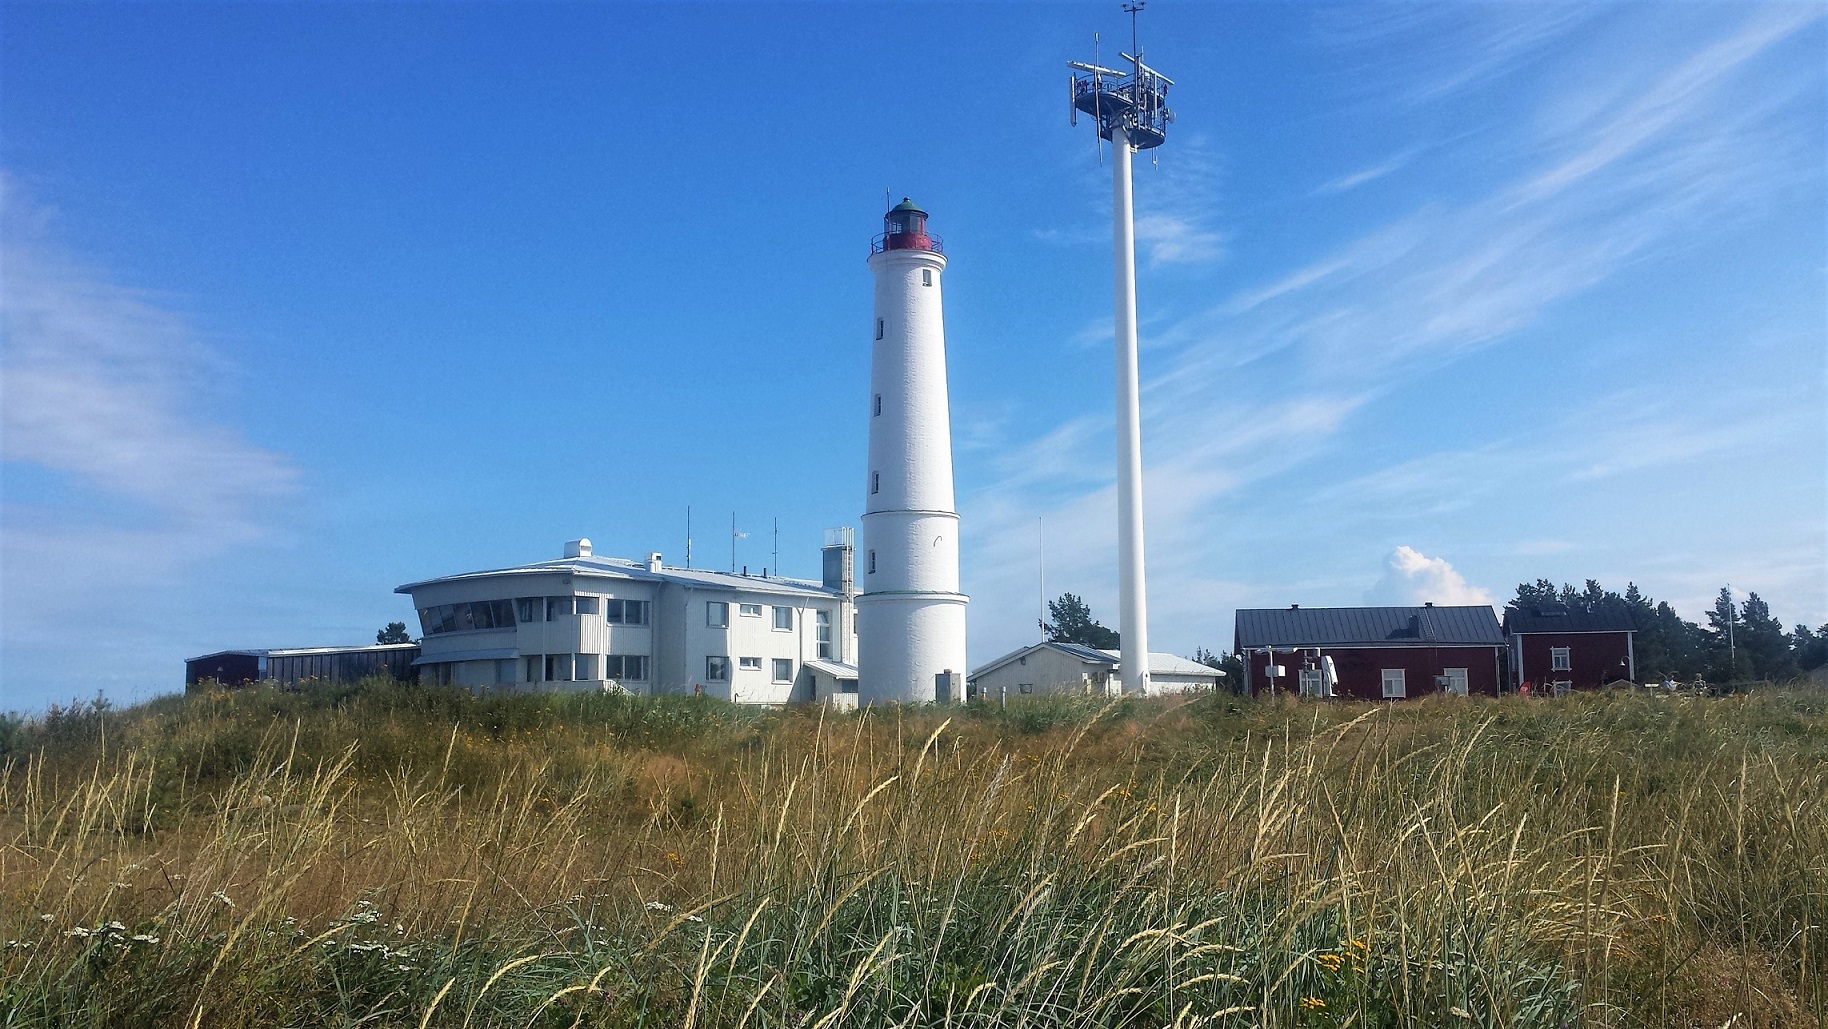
688 537
1097 95
1041 565
734 536
777 547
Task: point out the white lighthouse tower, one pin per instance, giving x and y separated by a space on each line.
910 613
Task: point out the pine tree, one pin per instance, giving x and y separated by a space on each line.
1073 623
1764 646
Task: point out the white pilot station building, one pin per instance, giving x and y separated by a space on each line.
587 622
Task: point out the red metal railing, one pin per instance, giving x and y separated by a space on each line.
907 241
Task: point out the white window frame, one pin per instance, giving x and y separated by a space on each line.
717 614
823 620
778 662
926 276
748 664
749 610
1397 676
584 606
779 610
1561 659
1458 678
1312 683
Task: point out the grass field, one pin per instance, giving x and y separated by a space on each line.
390 855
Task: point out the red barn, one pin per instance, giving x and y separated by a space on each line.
1557 648
1371 653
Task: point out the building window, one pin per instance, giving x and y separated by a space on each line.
1456 680
625 667
749 664
749 610
1561 687
558 667
783 618
926 276
1310 683
878 409
476 614
847 685
879 328
717 614
529 608
1559 660
586 667
504 670
783 669
1025 688
717 669
587 605
535 663
556 606
875 482
822 619
1395 683
625 612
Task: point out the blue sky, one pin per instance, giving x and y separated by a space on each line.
305 301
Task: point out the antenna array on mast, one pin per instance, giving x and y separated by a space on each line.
1134 100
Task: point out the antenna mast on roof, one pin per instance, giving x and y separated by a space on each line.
1131 111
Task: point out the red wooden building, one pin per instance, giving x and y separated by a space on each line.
1556 648
1371 653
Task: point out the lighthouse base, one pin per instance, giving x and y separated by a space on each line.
905 643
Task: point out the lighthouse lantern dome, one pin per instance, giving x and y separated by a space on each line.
904 227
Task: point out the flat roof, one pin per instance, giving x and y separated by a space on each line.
637 571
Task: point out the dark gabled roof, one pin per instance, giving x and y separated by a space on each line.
1556 618
1383 626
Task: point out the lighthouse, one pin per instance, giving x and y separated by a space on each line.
910 613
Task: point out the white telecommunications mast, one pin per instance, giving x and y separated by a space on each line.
1131 110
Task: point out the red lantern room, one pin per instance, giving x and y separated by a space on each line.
905 228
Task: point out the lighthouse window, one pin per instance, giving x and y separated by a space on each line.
879 328
875 482
872 562
878 403
926 276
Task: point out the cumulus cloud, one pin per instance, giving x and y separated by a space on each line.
1412 577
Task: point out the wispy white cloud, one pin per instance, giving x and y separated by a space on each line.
1353 180
107 398
1412 577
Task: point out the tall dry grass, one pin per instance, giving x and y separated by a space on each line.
393 855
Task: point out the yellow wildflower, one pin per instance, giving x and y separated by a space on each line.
1313 1003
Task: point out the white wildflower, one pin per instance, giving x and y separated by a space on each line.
654 905
222 897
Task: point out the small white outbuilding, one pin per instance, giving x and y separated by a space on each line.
1072 668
